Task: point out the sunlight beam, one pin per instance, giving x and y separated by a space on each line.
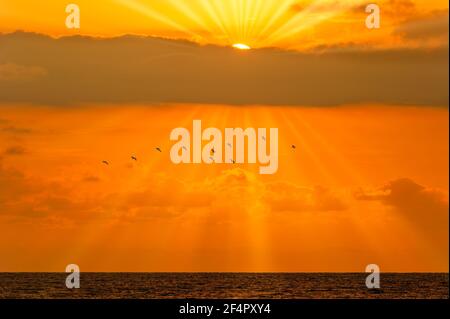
145 10
315 13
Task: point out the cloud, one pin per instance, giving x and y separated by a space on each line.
284 196
315 7
407 195
425 28
426 208
393 10
15 130
398 8
13 186
91 179
16 72
14 150
229 196
6 127
131 69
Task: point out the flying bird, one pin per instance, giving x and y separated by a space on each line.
158 149
105 162
134 158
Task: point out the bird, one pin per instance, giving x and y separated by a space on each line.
105 162
158 149
293 146
134 158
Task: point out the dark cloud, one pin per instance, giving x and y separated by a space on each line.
429 27
15 130
15 72
407 195
389 8
14 150
7 127
132 69
398 8
23 197
91 179
283 196
426 208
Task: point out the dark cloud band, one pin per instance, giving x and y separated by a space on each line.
131 69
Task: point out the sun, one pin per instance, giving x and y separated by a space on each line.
242 24
241 46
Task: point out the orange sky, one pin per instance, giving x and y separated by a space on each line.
366 183
299 24
348 196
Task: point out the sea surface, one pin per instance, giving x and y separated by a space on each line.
223 286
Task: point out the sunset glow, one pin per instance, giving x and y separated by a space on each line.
360 115
293 24
241 46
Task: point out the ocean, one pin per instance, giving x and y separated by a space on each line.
223 286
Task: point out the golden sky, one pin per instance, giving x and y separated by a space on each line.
366 109
294 24
365 185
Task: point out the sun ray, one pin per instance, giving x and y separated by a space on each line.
254 16
287 26
212 12
147 11
262 12
186 10
233 11
275 17
247 20
314 14
255 22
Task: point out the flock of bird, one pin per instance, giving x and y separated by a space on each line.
213 151
134 158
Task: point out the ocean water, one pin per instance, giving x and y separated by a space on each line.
223 286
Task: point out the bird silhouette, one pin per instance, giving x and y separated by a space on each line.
134 158
158 149
105 162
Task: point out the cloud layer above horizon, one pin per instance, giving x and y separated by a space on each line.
38 69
